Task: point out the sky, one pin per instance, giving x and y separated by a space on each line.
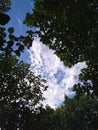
60 79
17 13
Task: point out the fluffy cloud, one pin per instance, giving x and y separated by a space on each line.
60 79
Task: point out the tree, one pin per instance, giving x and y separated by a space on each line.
79 114
4 19
88 80
20 93
5 5
44 119
20 90
68 27
10 43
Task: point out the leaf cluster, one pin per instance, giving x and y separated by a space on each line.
5 5
67 27
20 91
9 43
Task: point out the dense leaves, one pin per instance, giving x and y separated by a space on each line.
88 80
80 114
73 114
70 28
5 5
44 119
20 91
9 43
67 26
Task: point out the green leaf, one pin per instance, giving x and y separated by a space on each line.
21 48
4 18
10 43
17 52
11 30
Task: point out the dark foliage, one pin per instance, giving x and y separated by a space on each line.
20 92
69 27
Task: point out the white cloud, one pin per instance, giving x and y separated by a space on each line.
18 18
19 21
60 79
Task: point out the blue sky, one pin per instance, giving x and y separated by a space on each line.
17 14
60 79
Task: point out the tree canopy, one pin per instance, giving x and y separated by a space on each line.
9 43
5 5
79 114
69 27
20 91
